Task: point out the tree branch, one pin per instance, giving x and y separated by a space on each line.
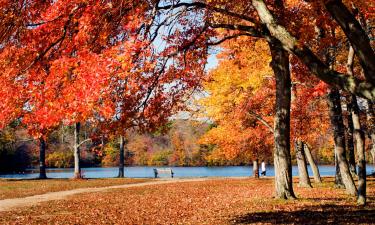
206 6
251 30
79 145
227 38
323 72
356 35
260 119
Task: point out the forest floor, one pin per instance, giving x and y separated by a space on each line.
198 201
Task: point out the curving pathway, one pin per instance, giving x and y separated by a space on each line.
9 204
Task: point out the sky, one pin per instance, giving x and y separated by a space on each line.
212 60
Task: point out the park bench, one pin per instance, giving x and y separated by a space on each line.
163 171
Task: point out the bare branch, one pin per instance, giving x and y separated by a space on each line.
89 139
251 30
206 6
227 38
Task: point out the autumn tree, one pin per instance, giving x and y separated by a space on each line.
239 102
60 69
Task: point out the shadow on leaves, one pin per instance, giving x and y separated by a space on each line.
326 214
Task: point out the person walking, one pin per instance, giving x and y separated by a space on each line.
263 165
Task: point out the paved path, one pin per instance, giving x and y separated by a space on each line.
8 204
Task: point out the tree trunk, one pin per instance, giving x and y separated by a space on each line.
304 180
338 178
282 158
371 128
359 137
121 173
349 69
62 134
85 134
256 168
42 159
350 141
335 114
77 157
312 163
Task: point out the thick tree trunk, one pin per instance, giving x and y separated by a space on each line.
256 168
312 163
359 137
350 141
42 158
356 35
304 179
77 156
282 158
371 128
339 139
121 173
349 83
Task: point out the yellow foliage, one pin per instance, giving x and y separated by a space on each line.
237 75
243 68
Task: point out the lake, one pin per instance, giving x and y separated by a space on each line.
147 171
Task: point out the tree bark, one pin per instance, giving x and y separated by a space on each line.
77 156
256 168
312 163
350 141
121 173
351 84
282 158
335 114
42 158
349 68
359 137
338 178
371 128
62 134
304 179
356 35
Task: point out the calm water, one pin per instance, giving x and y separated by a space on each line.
143 171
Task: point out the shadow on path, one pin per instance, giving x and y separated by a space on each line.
325 214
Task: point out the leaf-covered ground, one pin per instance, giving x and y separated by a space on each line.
218 201
12 188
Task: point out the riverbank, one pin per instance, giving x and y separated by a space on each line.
210 201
